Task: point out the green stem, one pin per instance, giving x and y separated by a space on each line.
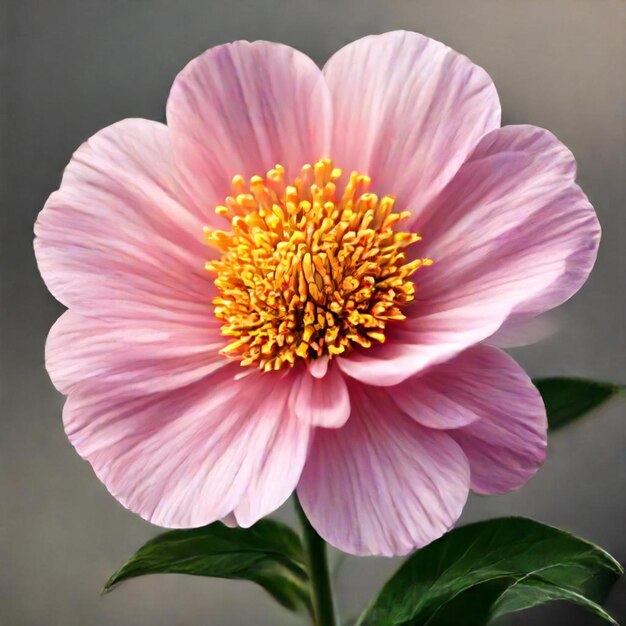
321 584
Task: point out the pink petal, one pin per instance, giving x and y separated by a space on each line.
382 484
318 367
230 520
439 331
144 356
523 332
507 231
241 108
469 387
507 445
507 219
190 457
321 401
114 241
549 154
407 110
539 142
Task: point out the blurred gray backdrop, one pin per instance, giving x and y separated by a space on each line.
71 67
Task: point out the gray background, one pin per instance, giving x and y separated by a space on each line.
72 67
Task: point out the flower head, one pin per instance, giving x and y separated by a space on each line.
299 283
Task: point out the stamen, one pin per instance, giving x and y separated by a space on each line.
307 270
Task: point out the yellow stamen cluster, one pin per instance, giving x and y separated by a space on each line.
307 269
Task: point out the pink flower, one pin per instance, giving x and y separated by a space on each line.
238 329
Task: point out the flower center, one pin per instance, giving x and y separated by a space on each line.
308 269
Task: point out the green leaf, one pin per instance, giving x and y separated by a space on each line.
269 554
484 570
569 398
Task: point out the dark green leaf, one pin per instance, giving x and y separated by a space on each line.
269 554
481 571
569 398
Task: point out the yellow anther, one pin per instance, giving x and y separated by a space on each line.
308 269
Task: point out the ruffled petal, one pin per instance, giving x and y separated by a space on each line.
546 149
549 154
241 108
114 241
143 356
382 484
321 401
508 217
507 445
407 110
195 455
509 230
